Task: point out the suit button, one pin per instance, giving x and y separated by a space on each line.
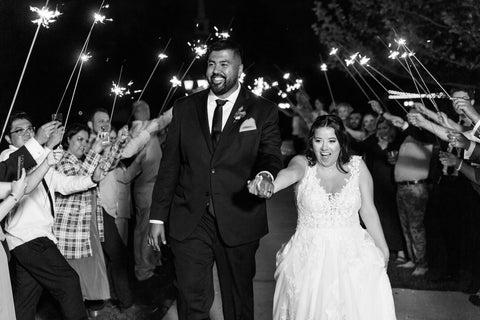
212 171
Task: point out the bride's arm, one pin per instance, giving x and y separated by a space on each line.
285 178
291 174
369 213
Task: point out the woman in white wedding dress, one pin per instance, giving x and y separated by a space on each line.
331 268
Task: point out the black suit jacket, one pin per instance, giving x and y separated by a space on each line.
191 172
8 168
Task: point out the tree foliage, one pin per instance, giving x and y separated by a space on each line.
444 34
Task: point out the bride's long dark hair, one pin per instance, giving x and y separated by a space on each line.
336 124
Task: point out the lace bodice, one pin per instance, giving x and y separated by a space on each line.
319 209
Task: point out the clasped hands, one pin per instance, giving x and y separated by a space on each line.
261 186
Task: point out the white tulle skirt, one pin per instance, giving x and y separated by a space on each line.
332 274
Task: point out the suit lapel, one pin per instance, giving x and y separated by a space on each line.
201 108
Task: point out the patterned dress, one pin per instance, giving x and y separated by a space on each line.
331 269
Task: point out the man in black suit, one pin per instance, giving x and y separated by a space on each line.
218 139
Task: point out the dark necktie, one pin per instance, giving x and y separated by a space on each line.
44 183
217 122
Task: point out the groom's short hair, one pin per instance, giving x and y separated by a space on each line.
226 44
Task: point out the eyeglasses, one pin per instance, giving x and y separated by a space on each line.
22 131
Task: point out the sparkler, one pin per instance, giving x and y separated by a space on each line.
117 90
45 18
200 49
399 95
323 67
334 53
222 35
260 85
161 56
96 18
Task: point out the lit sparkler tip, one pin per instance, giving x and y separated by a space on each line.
175 82
286 76
275 84
45 16
364 60
106 6
199 48
404 55
85 56
130 83
99 18
333 51
117 90
137 91
401 42
393 55
284 105
241 78
323 67
162 56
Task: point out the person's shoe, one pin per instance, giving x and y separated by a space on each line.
475 299
419 271
407 265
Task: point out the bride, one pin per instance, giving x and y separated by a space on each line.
331 268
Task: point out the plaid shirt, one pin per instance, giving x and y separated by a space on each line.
74 212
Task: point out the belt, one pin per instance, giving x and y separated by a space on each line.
412 182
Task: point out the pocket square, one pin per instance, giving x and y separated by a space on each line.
248 125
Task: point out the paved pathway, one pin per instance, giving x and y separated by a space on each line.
410 304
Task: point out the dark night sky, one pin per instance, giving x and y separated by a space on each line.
276 35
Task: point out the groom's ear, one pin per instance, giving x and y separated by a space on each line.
240 70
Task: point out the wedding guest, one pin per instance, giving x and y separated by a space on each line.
30 236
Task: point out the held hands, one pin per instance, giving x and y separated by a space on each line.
465 106
449 159
416 119
98 145
44 132
375 105
458 140
54 157
56 136
157 230
99 173
262 186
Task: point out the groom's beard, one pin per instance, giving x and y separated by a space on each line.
222 87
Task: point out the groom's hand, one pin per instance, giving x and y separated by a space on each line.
157 230
264 186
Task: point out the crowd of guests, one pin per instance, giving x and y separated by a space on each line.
424 164
66 223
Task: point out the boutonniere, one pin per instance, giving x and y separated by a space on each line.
240 114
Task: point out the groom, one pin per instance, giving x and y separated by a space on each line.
219 138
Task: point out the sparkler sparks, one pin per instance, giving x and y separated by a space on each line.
393 55
352 59
162 56
286 76
223 35
364 60
85 56
401 41
333 51
241 79
45 16
99 18
175 82
323 67
117 90
260 86
200 49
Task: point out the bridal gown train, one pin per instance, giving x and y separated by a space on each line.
331 269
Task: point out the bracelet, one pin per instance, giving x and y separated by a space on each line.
13 196
460 165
